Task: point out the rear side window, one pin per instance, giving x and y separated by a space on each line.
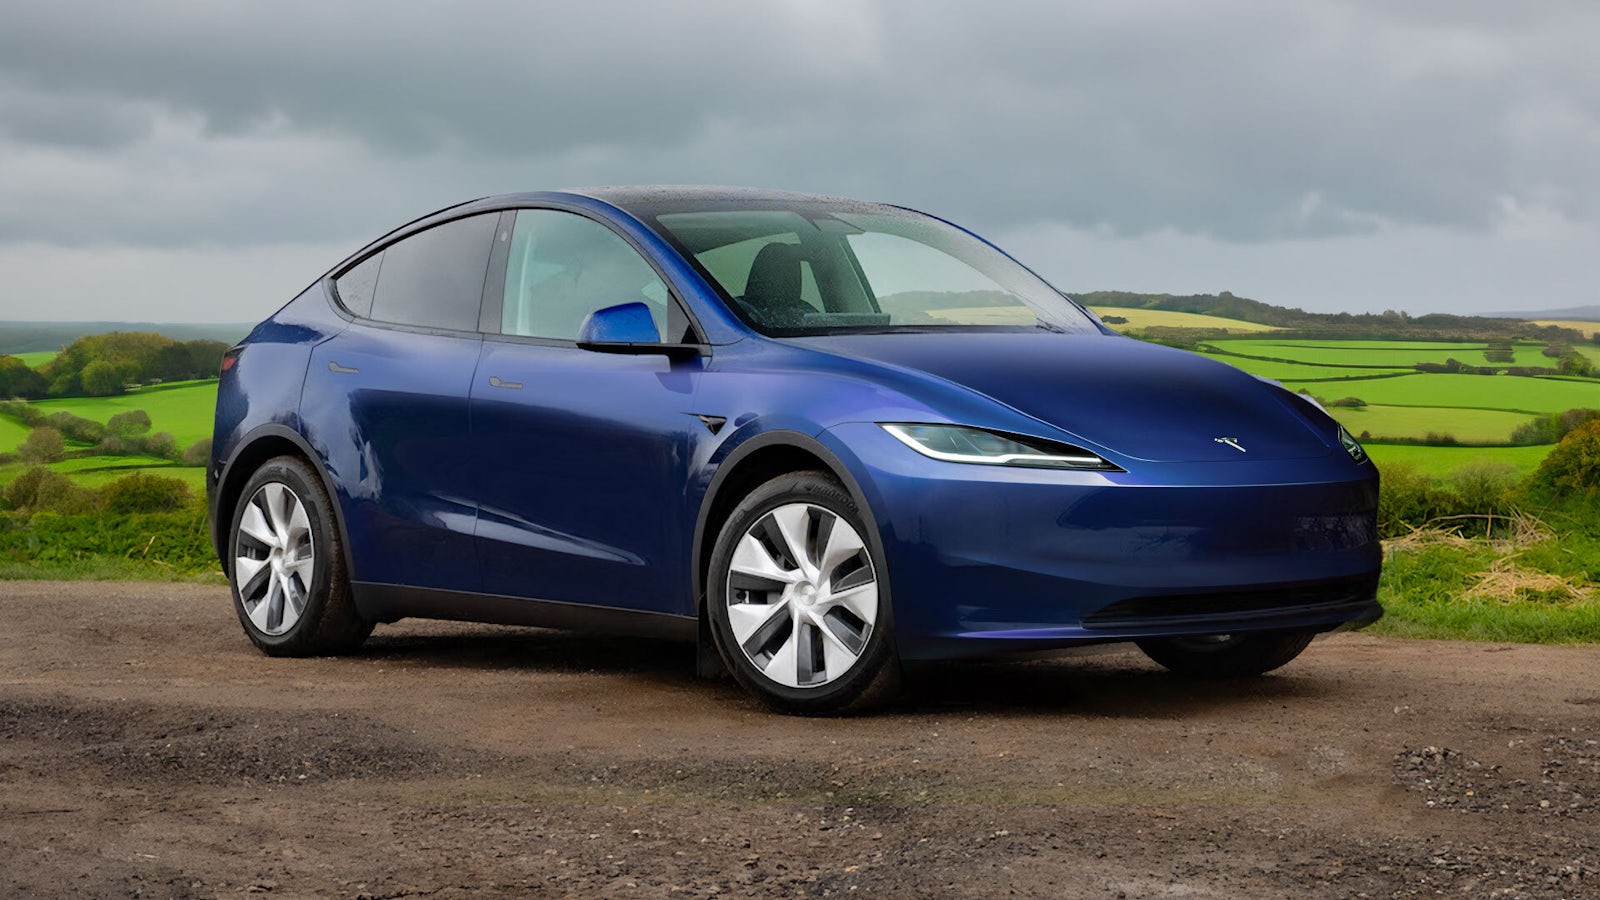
355 287
435 279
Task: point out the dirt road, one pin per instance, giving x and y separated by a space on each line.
147 749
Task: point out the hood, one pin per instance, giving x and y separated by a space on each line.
1136 399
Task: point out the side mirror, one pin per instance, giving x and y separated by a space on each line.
627 328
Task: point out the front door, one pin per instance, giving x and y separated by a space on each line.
584 457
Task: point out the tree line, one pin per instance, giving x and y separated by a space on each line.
104 365
1387 325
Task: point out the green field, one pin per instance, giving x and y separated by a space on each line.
1441 461
1160 318
1403 404
1502 392
12 433
36 359
1483 426
1378 353
183 409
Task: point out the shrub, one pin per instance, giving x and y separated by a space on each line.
141 493
172 542
44 444
1572 470
77 428
1484 487
22 411
128 424
1440 439
161 444
1352 402
1552 428
1409 498
1576 364
40 489
197 453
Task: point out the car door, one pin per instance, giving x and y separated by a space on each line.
584 456
387 402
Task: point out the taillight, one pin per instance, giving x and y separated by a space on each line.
231 357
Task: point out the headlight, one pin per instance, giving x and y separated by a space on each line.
1352 446
957 443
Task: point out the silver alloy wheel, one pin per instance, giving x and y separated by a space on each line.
274 558
802 595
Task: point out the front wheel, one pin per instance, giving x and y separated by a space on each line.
1227 655
798 599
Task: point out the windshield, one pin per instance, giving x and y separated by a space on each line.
820 269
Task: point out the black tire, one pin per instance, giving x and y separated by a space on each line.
1227 655
874 674
326 621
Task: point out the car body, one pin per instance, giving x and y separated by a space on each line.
485 435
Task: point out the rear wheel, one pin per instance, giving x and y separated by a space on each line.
290 587
798 599
1227 655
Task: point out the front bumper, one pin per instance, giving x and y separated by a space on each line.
989 558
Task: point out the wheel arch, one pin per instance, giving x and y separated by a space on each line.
754 462
260 445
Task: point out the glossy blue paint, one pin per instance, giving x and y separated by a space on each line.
387 411
522 468
626 323
583 472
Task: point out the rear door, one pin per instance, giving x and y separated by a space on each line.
585 456
387 403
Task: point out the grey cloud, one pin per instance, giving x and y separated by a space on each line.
1247 121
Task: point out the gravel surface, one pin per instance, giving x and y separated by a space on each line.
146 749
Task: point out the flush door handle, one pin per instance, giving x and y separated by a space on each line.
342 370
495 381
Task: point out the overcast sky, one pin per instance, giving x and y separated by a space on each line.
203 161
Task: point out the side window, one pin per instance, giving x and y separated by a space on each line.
434 279
355 287
561 267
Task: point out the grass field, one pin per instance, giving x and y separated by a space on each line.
1441 461
1378 353
1159 318
1502 392
1485 426
11 434
1404 404
183 409
36 359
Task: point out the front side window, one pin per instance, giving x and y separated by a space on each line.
814 268
434 279
561 267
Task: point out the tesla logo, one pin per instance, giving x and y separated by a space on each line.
1231 442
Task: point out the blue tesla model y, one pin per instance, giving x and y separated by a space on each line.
817 436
